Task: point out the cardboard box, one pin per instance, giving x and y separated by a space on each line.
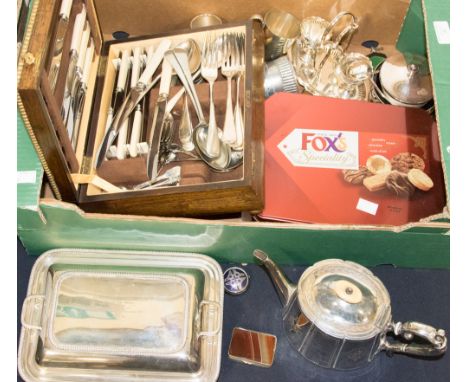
45 222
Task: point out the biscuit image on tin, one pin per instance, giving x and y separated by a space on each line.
420 179
398 183
404 162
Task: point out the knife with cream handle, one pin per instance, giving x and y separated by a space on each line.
136 128
76 39
80 21
77 79
137 117
56 54
82 92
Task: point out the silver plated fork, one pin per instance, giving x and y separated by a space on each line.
240 70
209 71
229 70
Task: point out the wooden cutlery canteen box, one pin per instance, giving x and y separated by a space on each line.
67 88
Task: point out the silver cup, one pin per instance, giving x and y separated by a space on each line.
205 20
281 28
279 77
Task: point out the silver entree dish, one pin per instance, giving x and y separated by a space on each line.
122 316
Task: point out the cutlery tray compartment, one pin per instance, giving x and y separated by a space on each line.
130 171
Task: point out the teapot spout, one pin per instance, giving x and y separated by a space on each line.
285 288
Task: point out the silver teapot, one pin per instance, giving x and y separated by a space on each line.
338 316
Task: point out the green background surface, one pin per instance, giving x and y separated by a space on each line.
60 227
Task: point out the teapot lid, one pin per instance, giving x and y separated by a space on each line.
344 299
406 78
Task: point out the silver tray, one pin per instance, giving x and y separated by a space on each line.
122 316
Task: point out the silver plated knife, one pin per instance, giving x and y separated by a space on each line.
122 89
56 53
137 115
82 92
79 69
78 29
74 51
75 85
157 123
143 85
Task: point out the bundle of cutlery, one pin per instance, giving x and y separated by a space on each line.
169 134
81 54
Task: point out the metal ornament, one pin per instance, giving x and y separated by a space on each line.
236 280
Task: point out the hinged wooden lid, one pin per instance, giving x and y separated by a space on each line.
39 105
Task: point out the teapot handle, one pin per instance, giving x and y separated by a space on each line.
437 341
335 21
345 36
